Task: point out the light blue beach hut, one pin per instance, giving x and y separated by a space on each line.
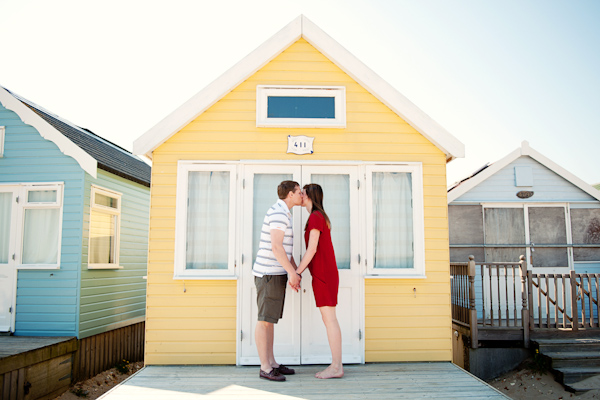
74 212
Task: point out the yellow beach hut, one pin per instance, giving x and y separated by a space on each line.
299 107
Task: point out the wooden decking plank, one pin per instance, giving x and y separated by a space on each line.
381 381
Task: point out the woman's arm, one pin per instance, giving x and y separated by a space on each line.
311 249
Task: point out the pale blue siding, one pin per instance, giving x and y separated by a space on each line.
47 300
547 186
111 298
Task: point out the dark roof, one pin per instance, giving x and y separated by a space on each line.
457 184
109 156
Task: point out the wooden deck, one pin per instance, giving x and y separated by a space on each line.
438 380
35 367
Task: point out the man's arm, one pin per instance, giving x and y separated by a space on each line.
281 256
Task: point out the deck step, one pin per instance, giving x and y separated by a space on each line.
575 361
573 375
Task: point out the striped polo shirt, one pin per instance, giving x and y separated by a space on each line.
278 217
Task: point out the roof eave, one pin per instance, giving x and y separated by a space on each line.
300 27
524 150
48 132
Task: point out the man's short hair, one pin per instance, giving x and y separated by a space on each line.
285 187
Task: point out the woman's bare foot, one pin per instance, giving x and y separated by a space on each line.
330 372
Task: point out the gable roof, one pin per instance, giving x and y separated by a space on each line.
88 149
301 27
488 170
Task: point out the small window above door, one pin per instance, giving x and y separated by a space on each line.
301 106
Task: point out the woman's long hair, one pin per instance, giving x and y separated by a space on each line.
315 194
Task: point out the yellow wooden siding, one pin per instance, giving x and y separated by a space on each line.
199 326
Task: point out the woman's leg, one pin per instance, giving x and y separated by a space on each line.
334 336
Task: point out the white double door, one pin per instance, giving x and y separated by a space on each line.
8 210
300 336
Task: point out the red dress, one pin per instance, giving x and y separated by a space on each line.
323 268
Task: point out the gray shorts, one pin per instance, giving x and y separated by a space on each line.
270 297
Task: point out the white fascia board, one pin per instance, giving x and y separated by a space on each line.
382 90
483 175
48 132
551 165
299 27
215 91
524 150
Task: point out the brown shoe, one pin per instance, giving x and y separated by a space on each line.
273 375
283 370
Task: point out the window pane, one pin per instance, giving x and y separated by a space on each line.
301 107
393 220
103 229
265 195
585 227
336 201
547 226
41 196
466 228
5 218
40 238
504 226
106 201
207 244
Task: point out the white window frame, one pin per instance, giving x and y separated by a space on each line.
264 91
25 205
525 206
106 210
418 271
2 135
180 271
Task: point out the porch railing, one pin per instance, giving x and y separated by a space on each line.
507 295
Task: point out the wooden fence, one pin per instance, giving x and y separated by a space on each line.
507 296
103 351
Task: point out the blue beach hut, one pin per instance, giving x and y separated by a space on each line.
74 212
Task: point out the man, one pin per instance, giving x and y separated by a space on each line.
273 268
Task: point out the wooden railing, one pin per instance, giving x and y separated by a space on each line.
507 295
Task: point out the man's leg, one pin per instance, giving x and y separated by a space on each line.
270 342
264 344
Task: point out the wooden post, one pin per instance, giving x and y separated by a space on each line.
472 304
530 297
524 309
574 308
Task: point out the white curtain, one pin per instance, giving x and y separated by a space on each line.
103 230
264 196
5 218
392 220
40 238
207 244
336 201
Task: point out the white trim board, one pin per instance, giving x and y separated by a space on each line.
524 150
48 132
301 27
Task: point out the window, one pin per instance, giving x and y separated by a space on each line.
395 222
105 221
41 228
304 106
2 133
205 220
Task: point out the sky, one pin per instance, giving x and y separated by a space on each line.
492 73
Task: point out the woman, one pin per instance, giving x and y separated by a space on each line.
320 260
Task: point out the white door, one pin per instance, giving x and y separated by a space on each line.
300 336
7 262
340 200
259 194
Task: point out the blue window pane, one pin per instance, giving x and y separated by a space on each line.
301 107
